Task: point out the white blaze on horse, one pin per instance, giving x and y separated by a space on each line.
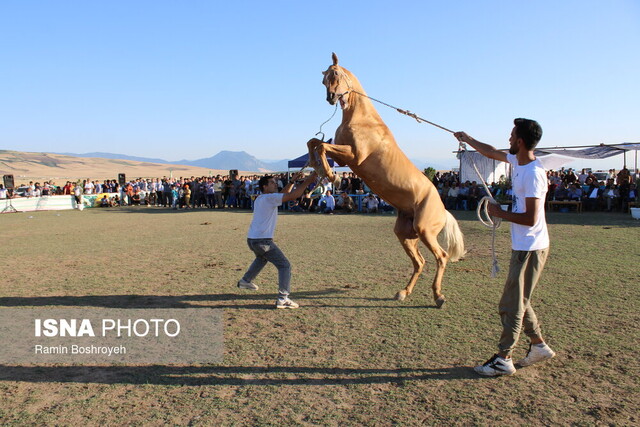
365 144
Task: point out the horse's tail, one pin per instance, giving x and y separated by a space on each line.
453 238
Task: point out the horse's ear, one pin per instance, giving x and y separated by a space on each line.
335 58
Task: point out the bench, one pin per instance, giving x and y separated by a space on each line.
576 203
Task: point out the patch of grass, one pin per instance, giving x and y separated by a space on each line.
351 354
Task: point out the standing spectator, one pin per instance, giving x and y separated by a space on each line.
344 183
175 196
218 186
356 185
582 178
186 194
168 193
88 187
210 194
77 194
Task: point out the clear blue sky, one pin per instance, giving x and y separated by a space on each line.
186 79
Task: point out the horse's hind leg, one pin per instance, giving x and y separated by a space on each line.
430 239
428 223
409 241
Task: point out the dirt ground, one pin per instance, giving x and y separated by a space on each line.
351 354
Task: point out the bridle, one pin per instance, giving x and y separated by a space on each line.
339 73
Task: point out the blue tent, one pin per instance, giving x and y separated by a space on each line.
302 160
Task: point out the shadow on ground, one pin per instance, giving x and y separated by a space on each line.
253 301
227 375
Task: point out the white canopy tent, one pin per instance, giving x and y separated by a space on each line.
551 158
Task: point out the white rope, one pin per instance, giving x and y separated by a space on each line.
488 221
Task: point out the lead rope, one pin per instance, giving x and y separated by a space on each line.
488 221
405 112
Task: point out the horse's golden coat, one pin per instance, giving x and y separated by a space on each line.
365 144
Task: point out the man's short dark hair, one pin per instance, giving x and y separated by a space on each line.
264 181
530 132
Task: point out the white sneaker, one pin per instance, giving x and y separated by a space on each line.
243 284
496 366
537 353
286 303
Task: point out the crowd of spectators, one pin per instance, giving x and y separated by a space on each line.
611 192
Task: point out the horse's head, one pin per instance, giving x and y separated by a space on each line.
338 84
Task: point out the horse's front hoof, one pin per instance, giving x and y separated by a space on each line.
401 295
440 301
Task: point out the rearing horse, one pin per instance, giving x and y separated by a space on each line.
365 144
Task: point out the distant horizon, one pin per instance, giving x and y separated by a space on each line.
615 162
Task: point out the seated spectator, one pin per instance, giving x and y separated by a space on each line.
463 196
593 196
574 192
327 203
633 193
611 195
370 203
452 196
385 207
104 202
475 194
305 201
296 207
135 199
345 203
561 192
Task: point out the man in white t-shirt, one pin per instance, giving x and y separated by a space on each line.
260 235
530 246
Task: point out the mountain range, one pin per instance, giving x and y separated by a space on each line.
226 160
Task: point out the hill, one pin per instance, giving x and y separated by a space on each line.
58 167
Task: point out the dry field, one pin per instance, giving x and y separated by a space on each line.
351 354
